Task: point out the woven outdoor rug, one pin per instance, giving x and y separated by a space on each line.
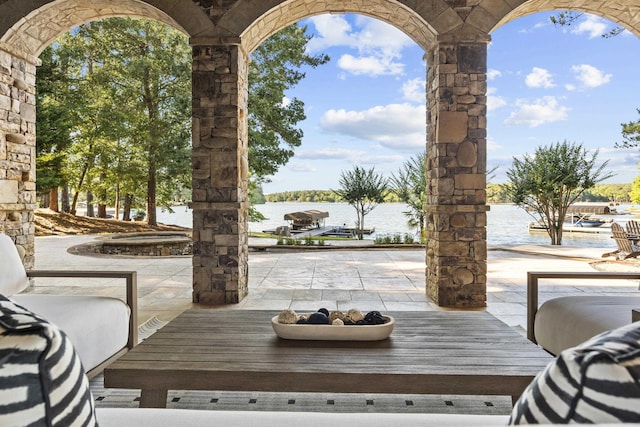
310 402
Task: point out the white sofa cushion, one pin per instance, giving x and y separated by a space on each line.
144 417
596 382
41 379
565 322
97 326
13 278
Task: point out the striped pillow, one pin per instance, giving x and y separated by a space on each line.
42 382
595 382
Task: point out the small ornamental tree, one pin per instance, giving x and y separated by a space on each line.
362 189
410 185
548 182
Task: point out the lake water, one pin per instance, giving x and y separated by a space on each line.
506 224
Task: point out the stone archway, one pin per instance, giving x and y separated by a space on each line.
26 28
456 52
454 35
625 13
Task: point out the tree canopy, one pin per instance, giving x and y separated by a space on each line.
275 68
548 182
114 111
362 189
410 184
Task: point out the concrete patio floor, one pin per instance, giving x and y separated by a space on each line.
367 279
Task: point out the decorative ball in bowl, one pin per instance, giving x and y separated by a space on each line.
333 326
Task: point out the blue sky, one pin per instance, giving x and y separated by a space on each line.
545 84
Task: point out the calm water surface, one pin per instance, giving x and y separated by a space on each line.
506 224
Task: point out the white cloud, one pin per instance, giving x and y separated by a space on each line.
303 167
395 126
330 154
592 25
492 145
349 155
414 90
377 45
539 112
493 74
494 101
370 65
536 26
333 30
590 76
539 77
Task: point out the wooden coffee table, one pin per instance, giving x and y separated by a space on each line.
430 352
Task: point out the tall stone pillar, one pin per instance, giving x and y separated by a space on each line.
456 174
220 164
18 149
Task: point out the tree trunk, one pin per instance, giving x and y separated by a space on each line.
53 199
152 218
44 200
102 210
77 193
360 225
90 212
117 207
65 199
126 208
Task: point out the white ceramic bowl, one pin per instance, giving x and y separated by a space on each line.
333 332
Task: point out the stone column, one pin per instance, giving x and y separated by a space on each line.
456 174
220 165
18 149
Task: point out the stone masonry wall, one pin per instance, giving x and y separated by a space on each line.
456 181
17 150
220 171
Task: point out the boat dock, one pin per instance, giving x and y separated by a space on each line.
322 231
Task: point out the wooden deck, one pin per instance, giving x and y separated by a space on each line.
453 352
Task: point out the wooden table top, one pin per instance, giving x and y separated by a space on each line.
433 352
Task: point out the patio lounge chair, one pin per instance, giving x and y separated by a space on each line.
100 328
633 227
626 247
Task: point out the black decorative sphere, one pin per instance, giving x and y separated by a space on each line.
318 318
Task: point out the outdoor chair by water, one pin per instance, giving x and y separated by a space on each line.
626 247
633 227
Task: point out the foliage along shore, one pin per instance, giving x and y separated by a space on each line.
496 193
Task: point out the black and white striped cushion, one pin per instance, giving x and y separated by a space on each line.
42 382
595 382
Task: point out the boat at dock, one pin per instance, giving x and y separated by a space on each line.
577 223
311 223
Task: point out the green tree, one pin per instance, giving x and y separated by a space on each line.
55 123
630 134
410 185
275 68
548 182
149 64
134 126
567 18
362 189
634 194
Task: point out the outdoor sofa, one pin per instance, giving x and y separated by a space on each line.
564 322
100 328
43 383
